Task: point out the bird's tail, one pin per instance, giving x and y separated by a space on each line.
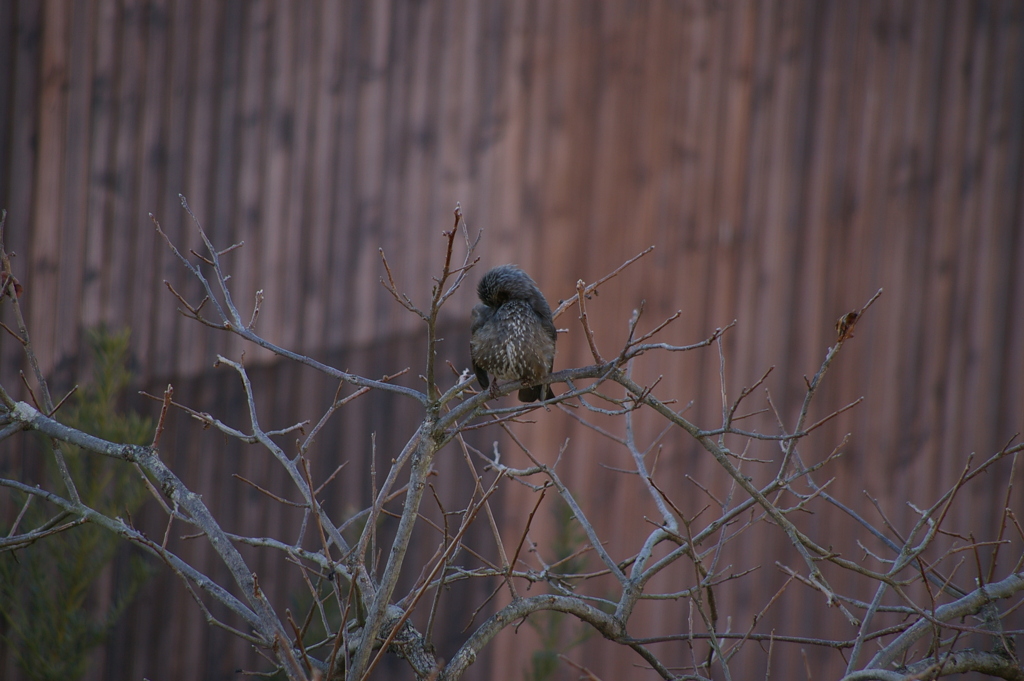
534 393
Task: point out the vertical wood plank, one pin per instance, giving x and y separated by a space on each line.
151 160
44 256
787 158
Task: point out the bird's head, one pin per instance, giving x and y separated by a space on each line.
504 283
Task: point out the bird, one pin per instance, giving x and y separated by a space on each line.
512 332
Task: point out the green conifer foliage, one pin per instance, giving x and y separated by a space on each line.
52 614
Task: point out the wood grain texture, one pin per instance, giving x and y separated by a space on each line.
786 157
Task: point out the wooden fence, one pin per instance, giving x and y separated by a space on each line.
787 159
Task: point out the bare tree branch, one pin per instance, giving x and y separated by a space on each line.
899 605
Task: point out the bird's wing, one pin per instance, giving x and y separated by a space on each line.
543 310
549 327
481 315
481 375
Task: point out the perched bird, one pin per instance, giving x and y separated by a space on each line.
513 334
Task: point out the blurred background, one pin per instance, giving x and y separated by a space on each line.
786 158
